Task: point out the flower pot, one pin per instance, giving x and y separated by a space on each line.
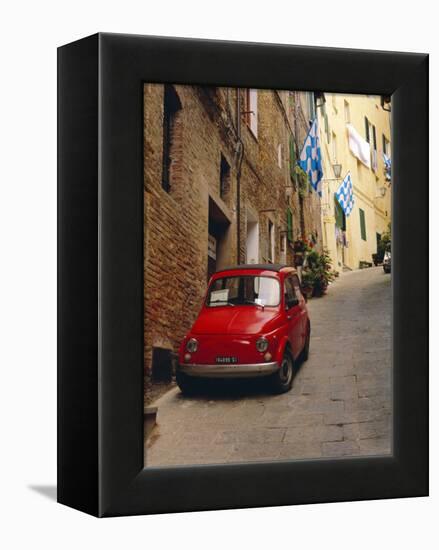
319 290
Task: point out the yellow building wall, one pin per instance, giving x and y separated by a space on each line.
368 184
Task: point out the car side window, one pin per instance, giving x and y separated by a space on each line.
290 293
296 284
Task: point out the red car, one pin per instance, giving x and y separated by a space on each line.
253 322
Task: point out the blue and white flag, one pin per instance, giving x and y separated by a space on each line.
345 195
311 158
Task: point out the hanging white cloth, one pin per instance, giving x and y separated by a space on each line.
359 147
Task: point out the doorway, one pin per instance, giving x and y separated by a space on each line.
218 246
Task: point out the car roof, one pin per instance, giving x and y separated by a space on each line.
258 267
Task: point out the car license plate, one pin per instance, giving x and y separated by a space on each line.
226 360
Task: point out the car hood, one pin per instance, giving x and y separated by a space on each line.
235 320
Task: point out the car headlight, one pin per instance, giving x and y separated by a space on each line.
262 344
192 345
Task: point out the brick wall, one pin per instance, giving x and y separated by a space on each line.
178 221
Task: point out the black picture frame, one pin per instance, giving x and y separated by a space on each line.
100 281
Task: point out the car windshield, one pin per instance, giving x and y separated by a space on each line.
244 290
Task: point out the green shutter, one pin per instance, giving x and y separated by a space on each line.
362 225
292 158
290 225
366 125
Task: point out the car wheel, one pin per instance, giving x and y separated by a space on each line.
282 379
186 384
305 351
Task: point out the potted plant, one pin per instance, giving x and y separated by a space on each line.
320 284
322 273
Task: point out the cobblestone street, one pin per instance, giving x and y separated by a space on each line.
340 403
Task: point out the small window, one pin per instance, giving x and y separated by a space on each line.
362 225
224 177
171 134
250 110
374 150
254 112
367 129
371 138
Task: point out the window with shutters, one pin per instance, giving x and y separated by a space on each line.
371 138
366 128
362 224
250 110
171 135
374 154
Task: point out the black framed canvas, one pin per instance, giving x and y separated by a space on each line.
109 159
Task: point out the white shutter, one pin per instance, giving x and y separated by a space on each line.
253 108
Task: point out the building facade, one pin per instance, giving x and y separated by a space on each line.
219 189
354 133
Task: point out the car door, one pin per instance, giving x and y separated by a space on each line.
294 317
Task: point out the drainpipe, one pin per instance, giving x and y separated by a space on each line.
238 176
296 137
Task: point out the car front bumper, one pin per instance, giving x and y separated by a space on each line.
229 370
